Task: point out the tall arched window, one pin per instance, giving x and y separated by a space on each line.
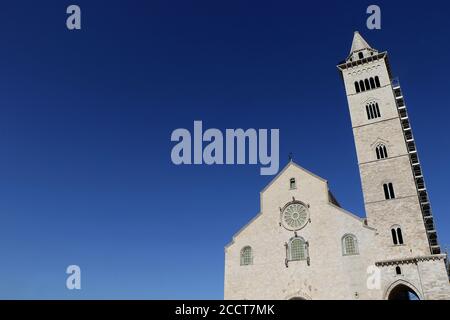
397 236
381 151
246 256
377 110
357 86
361 85
388 191
377 81
369 111
367 84
349 245
372 83
373 111
394 236
297 249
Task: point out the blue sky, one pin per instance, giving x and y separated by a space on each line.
85 121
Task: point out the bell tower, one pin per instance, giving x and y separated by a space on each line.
395 196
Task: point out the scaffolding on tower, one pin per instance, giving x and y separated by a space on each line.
416 168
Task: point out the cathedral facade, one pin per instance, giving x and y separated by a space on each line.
304 245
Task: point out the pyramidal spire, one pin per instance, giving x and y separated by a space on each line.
359 43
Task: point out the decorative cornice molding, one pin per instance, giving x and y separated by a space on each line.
351 64
412 260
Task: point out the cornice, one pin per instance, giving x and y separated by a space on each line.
411 260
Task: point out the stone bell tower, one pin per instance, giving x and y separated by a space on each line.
395 195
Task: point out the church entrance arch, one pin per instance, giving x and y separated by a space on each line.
402 290
298 295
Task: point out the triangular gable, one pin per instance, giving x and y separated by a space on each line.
292 163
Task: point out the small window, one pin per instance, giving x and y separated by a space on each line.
388 191
381 151
292 184
349 245
372 83
373 111
394 236
360 55
391 190
377 81
397 236
377 110
371 115
398 270
367 84
246 256
361 85
297 249
357 86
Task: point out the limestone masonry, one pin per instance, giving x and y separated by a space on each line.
303 245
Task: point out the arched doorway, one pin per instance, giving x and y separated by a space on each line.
402 292
298 295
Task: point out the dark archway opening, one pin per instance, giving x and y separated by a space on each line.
403 292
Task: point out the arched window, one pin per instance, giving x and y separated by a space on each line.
297 249
398 270
372 83
394 236
397 236
246 256
377 81
368 111
381 151
361 85
377 110
349 245
360 55
370 114
373 111
292 184
357 86
388 191
367 84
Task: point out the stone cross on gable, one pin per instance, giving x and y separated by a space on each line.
291 156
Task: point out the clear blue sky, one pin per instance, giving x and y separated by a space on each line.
86 117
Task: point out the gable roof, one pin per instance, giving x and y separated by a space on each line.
291 163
